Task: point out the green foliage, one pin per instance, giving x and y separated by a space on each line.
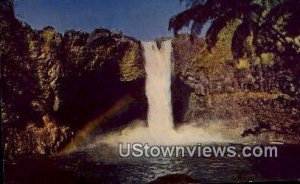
266 25
243 64
267 58
48 34
214 60
194 57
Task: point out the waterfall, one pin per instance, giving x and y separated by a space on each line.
158 68
160 129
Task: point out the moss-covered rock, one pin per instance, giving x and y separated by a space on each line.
68 77
131 65
255 95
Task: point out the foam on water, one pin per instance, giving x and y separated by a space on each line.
159 128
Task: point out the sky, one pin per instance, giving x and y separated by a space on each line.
142 19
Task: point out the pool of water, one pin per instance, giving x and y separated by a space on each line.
103 165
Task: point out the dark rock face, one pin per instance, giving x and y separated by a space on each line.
80 73
180 99
53 83
256 97
45 139
68 78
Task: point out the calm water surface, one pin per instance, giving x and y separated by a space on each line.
103 165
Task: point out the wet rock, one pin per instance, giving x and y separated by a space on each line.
175 178
34 140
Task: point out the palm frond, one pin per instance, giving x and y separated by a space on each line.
259 18
288 7
271 30
184 18
198 14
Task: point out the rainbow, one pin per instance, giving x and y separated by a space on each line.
91 125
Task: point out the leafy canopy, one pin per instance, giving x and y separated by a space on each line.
271 23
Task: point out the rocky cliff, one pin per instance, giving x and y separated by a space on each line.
254 97
53 82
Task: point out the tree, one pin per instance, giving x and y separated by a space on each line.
272 24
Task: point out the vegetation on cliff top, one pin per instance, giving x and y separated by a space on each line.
271 25
72 76
242 54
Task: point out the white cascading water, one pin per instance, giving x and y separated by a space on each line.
160 129
158 68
